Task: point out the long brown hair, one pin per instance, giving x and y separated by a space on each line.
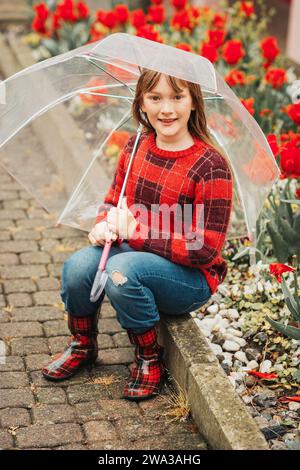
197 124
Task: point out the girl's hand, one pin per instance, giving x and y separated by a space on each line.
121 221
101 233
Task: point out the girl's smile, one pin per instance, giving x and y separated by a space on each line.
168 112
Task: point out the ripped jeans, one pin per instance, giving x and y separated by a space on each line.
139 286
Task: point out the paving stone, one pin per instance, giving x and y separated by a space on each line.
8 259
38 257
48 435
116 409
12 417
60 257
56 328
18 246
48 283
100 431
36 223
6 440
4 316
107 311
12 363
51 414
16 397
4 235
33 212
89 411
113 378
19 285
116 356
37 313
12 214
54 270
49 245
60 233
19 300
39 380
27 235
162 442
20 329
7 224
16 204
105 342
75 446
121 340
25 346
109 325
58 343
2 301
86 392
51 395
13 379
23 271
36 361
7 195
47 298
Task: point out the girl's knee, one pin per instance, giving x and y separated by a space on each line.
75 270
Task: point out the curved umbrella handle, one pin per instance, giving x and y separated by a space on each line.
104 255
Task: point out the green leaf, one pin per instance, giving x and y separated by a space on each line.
281 249
289 331
296 224
290 301
289 233
51 46
296 375
292 201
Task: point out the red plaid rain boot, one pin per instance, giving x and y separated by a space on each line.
82 349
147 373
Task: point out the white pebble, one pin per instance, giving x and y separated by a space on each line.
241 341
209 322
235 332
223 312
231 346
252 365
223 290
293 406
233 314
241 356
228 356
265 366
213 309
232 381
227 362
216 348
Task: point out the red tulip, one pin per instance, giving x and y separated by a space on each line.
278 268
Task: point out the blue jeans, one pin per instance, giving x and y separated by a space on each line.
139 286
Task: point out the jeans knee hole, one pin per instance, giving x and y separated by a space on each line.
118 278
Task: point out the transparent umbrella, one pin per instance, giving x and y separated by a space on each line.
106 73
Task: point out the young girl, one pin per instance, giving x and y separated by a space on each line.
176 163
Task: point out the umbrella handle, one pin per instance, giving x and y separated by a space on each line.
104 255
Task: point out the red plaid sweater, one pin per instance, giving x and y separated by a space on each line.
196 175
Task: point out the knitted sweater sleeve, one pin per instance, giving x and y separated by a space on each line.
213 201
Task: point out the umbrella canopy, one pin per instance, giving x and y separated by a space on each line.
72 190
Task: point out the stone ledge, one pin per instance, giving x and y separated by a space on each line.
218 411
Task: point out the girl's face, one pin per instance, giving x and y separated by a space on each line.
162 103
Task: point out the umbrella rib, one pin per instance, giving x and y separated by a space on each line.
108 73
